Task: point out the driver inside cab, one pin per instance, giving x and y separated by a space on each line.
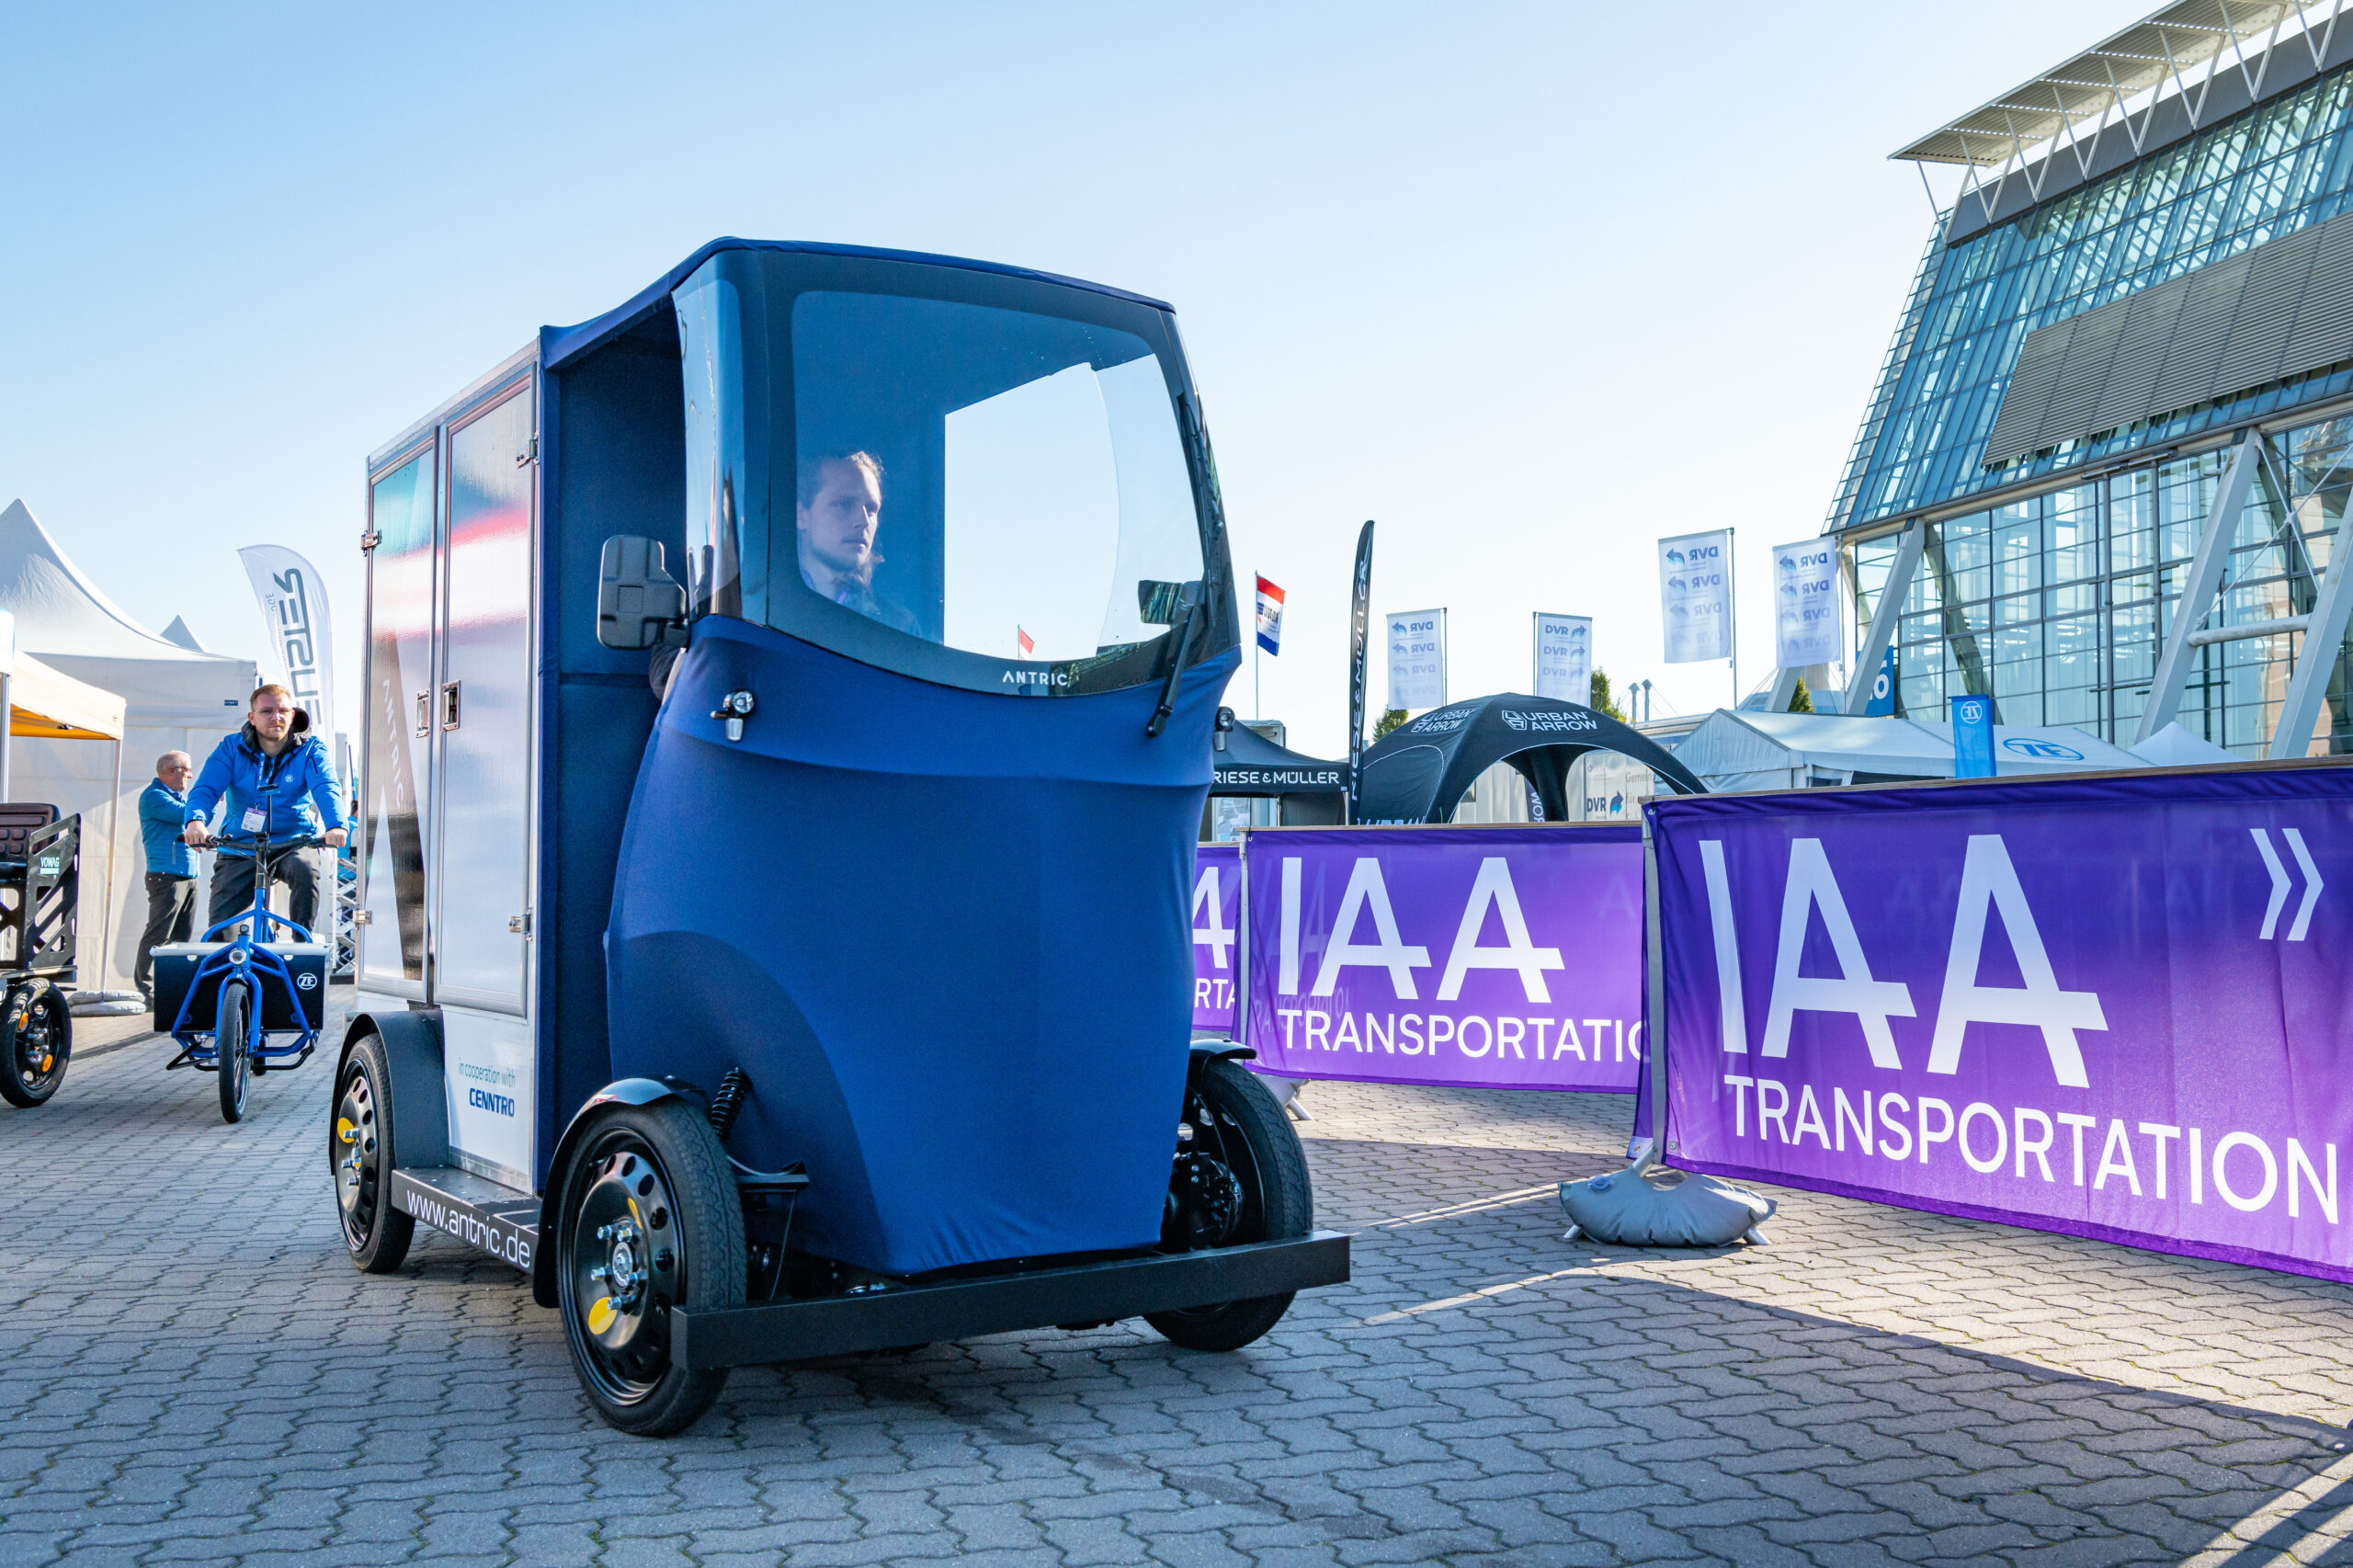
276 777
839 514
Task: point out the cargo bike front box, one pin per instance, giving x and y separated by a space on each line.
789 712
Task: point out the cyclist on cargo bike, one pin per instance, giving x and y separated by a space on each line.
254 972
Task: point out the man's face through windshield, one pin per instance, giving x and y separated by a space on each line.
838 523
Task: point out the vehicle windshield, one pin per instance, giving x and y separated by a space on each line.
932 458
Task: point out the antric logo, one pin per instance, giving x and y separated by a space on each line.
2045 751
1037 677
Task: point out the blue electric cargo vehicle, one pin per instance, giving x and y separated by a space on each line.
790 697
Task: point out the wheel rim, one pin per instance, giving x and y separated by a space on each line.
352 1151
622 1266
1221 1140
39 1063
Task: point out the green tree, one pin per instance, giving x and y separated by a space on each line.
1603 702
1802 700
1388 721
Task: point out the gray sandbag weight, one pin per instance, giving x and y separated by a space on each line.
1650 1206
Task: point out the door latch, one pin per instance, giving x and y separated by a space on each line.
424 714
520 924
449 706
734 708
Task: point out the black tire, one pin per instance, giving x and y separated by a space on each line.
650 1177
1236 1122
235 1064
36 1043
359 1162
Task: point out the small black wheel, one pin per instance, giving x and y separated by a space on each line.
36 1042
1241 1177
360 1159
236 1063
650 1220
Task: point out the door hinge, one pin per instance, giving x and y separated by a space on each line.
520 924
529 454
361 917
369 541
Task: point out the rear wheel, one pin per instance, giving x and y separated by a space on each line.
1240 1178
360 1157
650 1221
36 1042
230 1047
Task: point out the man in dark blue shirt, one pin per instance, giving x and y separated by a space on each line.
170 865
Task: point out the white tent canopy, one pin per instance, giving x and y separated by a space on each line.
175 698
1744 750
46 704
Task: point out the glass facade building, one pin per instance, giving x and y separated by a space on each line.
2051 581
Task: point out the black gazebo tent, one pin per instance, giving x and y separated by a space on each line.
1418 771
1310 791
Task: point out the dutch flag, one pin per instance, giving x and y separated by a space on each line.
1270 617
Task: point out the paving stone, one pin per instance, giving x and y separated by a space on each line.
217 1384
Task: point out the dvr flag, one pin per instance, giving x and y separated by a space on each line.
1805 605
1270 617
1695 596
302 641
1565 657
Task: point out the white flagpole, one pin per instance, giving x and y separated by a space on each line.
1732 592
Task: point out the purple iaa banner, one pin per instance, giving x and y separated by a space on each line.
1483 957
1217 903
2115 1007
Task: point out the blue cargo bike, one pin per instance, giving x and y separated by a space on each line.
248 979
790 700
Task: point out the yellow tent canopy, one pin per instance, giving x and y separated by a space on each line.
51 704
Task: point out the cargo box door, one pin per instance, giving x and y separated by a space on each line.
482 712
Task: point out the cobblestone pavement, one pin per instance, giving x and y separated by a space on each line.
192 1373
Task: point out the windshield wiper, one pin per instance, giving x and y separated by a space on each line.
1196 605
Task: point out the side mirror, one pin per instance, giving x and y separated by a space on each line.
1166 604
638 604
1224 727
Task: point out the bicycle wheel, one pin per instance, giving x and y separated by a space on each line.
235 1052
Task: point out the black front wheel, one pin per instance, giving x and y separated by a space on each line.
359 1158
1240 1177
36 1042
650 1221
229 1047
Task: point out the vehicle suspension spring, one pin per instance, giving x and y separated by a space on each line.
733 1089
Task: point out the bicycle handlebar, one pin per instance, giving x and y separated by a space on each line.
251 846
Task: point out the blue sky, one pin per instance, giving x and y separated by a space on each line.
1532 285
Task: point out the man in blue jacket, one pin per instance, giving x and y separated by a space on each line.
272 775
170 865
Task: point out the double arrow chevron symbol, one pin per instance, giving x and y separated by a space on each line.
2282 884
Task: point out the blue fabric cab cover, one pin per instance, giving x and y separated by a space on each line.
944 931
